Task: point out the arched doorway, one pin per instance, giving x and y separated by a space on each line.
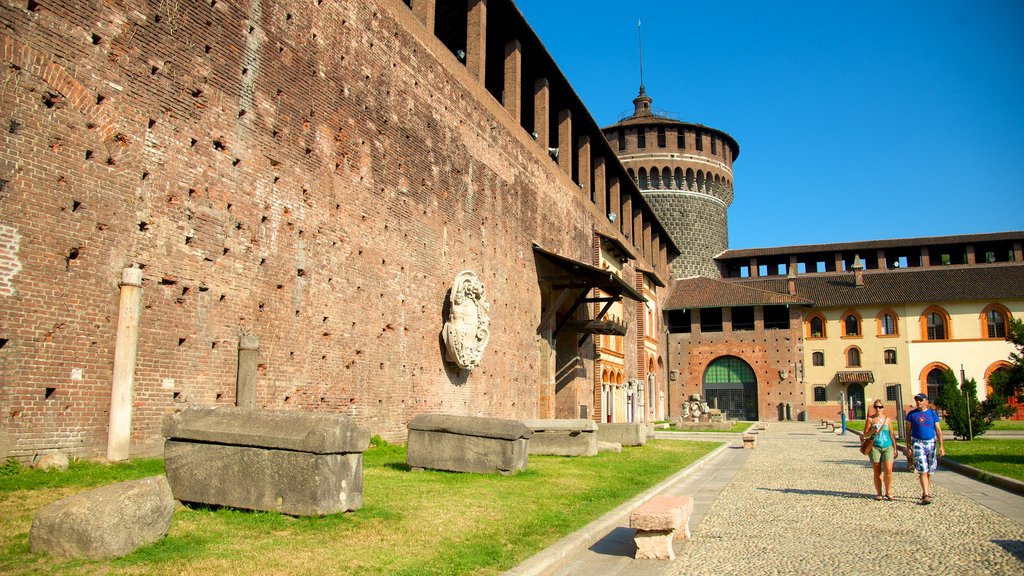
856 401
730 382
934 383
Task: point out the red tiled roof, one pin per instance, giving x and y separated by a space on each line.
702 292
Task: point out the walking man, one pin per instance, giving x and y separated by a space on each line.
924 433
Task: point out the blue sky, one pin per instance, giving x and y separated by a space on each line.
857 120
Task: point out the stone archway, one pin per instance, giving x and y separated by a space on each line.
730 383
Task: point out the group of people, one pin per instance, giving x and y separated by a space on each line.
925 434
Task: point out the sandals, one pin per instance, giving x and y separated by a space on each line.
926 499
888 498
878 497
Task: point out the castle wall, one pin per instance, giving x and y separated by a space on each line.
314 174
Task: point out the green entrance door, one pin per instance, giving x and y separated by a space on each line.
731 382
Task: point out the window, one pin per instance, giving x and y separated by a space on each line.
742 318
679 321
711 320
819 393
853 358
889 356
714 145
934 382
887 324
681 138
816 327
818 359
641 138
698 140
776 318
892 393
622 140
996 324
936 323
661 137
851 325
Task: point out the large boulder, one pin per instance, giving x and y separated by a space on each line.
105 522
298 463
51 461
467 444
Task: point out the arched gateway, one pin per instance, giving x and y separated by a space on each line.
731 382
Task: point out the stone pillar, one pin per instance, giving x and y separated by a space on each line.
542 112
1018 254
925 256
245 382
656 252
626 216
119 432
565 141
424 10
638 230
754 270
971 257
511 96
600 183
476 39
647 242
583 173
614 201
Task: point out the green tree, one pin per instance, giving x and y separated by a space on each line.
1009 382
965 416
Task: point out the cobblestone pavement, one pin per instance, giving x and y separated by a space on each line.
803 503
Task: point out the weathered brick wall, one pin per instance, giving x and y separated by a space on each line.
313 173
766 351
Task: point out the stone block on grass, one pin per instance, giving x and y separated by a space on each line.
467 444
563 437
105 522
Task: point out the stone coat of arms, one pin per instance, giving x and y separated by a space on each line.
467 329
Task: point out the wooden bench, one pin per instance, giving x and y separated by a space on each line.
749 440
658 522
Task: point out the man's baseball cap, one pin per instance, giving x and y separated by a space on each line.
921 397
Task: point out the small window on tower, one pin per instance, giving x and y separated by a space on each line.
661 137
641 138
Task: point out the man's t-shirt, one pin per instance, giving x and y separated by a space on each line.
922 423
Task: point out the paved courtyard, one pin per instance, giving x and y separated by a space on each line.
802 502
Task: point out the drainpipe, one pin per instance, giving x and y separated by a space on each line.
119 433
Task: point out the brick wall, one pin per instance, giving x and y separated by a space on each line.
315 174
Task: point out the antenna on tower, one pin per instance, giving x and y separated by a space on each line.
640 41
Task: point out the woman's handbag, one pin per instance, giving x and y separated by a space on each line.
865 446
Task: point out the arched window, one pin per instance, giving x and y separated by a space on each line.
853 357
731 381
887 325
819 393
851 324
700 181
889 356
818 359
666 177
642 175
934 382
679 179
691 179
935 322
655 178
994 319
632 175
816 326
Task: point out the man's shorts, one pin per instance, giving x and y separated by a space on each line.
924 456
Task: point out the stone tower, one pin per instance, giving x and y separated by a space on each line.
684 171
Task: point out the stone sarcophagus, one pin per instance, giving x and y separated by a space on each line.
297 463
467 444
563 437
625 433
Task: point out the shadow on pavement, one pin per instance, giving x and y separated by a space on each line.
1015 547
835 493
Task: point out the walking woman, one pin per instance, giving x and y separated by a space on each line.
883 451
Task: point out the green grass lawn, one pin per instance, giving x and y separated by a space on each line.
411 523
1000 456
1008 425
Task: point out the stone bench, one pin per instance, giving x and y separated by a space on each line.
624 433
563 437
762 426
749 440
829 425
467 444
658 522
298 463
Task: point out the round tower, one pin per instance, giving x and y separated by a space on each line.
684 171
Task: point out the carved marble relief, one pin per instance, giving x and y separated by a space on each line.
467 329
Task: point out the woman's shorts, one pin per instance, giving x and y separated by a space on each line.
887 454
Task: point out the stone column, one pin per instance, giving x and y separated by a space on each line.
600 184
119 432
626 216
614 201
583 175
476 39
565 141
542 112
245 383
424 10
511 96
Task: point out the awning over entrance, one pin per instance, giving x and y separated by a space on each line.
855 377
580 275
577 279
